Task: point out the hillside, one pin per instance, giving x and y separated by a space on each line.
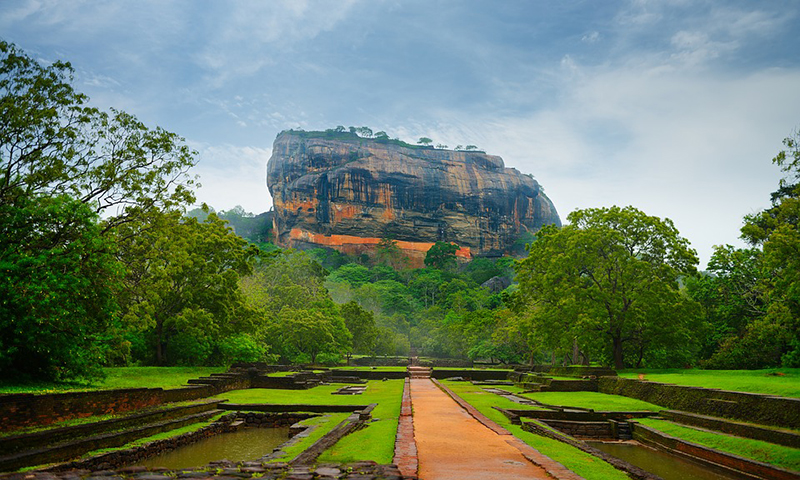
348 192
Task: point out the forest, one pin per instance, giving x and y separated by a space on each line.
103 262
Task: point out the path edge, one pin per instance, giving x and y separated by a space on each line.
552 467
405 445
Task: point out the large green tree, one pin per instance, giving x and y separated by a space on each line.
69 176
51 143
361 324
182 280
610 279
441 255
777 231
57 289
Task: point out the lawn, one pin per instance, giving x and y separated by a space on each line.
594 400
585 465
785 457
119 377
375 442
322 425
377 369
776 381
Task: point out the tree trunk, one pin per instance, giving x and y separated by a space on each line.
159 343
618 363
576 352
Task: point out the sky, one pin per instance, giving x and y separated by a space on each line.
673 106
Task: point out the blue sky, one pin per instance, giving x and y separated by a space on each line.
675 107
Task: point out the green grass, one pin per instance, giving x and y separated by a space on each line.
776 381
375 442
377 369
322 425
119 377
588 466
594 400
785 457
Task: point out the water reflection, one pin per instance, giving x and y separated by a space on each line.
239 446
663 464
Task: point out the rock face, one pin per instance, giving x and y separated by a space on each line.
346 192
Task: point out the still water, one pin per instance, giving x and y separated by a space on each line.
239 446
665 465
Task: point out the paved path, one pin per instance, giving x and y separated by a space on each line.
451 444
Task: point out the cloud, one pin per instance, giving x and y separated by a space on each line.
250 35
591 37
233 175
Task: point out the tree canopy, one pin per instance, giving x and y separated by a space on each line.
610 280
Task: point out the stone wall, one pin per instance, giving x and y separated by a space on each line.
226 424
749 407
380 361
571 371
29 410
600 430
368 374
677 446
746 430
37 440
441 373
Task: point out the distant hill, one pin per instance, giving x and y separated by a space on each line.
347 192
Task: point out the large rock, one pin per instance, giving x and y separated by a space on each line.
347 192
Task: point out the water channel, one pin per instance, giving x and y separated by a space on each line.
663 464
242 445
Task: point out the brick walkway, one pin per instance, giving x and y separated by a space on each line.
451 444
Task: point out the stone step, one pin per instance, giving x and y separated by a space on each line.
52 436
75 448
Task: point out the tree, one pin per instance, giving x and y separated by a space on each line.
441 146
424 141
388 253
732 298
441 255
285 278
470 147
51 144
381 135
364 132
777 231
361 325
339 129
71 175
309 332
182 278
610 279
58 279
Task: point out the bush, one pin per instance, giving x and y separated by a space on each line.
243 348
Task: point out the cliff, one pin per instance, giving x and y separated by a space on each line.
346 192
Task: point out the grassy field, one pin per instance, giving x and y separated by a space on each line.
119 377
375 442
776 381
585 465
322 425
594 400
377 369
785 457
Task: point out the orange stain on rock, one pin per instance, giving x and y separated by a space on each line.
354 244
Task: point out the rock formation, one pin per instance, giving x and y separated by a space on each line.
343 191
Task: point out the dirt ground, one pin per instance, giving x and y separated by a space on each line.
453 445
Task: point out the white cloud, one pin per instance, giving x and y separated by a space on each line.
591 37
249 34
232 175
